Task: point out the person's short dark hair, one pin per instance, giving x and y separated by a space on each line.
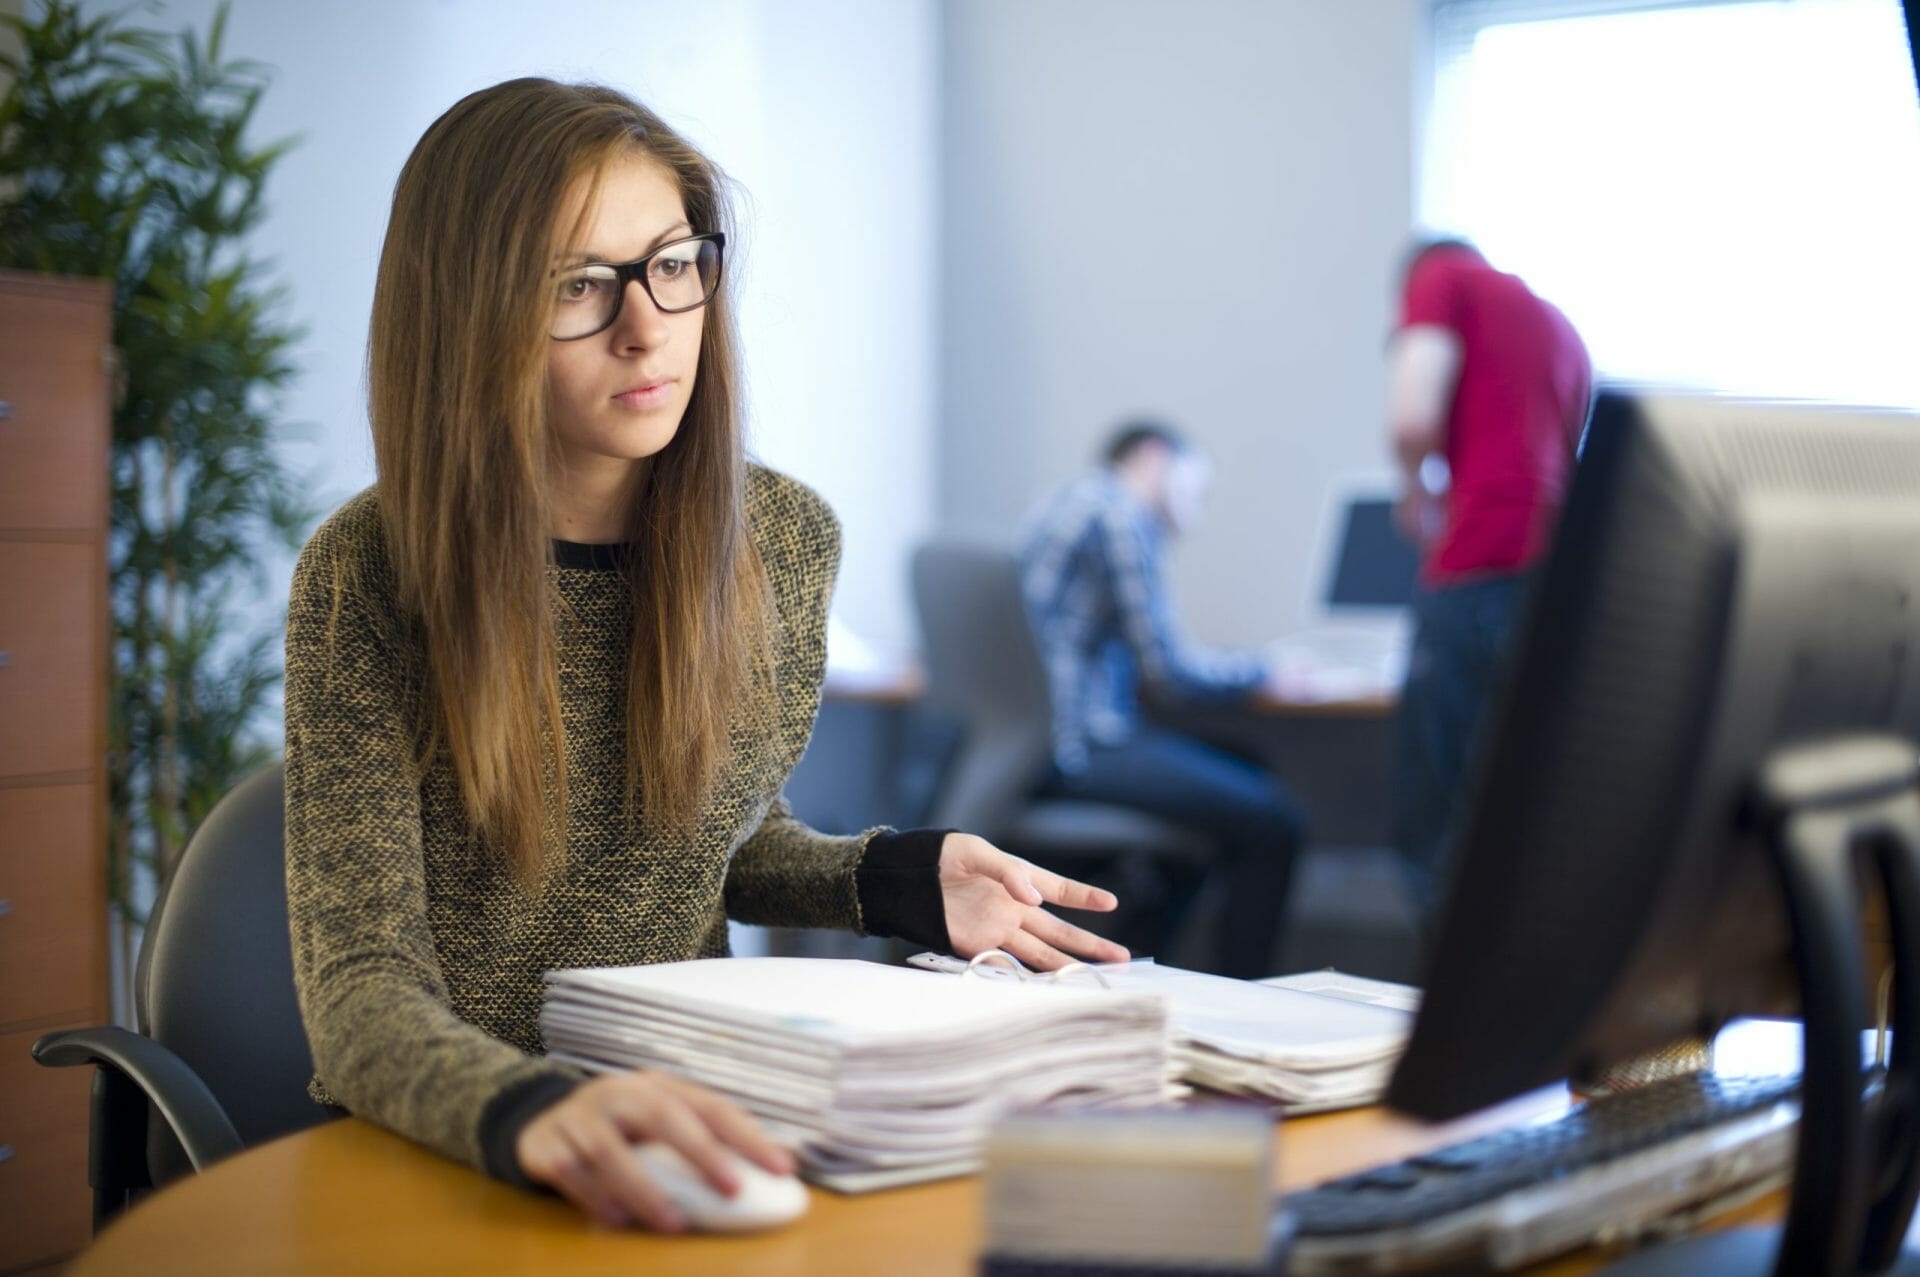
1133 435
1423 247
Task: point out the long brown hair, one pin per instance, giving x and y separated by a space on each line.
456 373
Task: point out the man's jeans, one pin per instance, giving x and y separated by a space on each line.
1256 827
1461 638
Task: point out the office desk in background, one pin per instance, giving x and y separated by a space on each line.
877 751
351 1198
1336 756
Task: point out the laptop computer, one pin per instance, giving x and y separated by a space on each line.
1360 595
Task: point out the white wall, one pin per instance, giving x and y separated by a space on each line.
825 114
1188 209
1022 187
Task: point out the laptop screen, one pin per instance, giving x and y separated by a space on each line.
1359 610
1374 566
1364 563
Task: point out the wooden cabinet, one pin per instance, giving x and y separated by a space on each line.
54 444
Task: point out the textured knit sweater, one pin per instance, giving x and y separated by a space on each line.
418 955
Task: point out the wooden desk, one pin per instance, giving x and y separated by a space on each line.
907 685
879 753
350 1198
878 748
1336 756
1378 705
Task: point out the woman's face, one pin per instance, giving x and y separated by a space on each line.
617 397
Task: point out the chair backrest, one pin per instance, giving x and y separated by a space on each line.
984 668
215 978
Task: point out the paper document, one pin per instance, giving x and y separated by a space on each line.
1352 988
1313 1041
877 1075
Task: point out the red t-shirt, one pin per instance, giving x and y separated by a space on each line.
1517 410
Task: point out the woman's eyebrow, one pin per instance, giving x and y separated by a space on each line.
580 257
672 232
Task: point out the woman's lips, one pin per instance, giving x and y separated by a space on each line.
651 395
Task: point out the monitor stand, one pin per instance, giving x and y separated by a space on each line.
1825 811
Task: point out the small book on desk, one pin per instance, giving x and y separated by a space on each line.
1309 1042
1167 1193
877 1075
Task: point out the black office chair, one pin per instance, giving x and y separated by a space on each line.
984 669
221 1056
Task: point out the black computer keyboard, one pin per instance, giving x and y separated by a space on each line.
1422 1191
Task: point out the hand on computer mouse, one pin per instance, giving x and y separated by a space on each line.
763 1200
583 1146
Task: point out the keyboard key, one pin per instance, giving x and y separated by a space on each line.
1469 1174
1389 1177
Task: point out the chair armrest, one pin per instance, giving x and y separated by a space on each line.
198 1121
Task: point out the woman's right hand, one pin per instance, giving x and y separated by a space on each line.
582 1147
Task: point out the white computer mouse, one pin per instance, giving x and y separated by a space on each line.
765 1200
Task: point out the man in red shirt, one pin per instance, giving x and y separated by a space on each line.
1488 388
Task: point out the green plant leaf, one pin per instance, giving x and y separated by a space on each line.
124 154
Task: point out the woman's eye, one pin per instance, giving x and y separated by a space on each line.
579 288
670 267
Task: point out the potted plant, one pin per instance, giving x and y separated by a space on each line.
124 155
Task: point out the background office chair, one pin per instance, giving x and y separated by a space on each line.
984 669
221 1056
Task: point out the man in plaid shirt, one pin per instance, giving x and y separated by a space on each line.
1094 576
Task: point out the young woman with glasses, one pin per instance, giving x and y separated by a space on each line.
546 679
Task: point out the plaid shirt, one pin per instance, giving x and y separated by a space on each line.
1093 572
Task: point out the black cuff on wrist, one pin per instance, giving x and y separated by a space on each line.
508 1113
898 881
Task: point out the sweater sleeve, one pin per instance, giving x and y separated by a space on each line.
883 882
386 1042
785 873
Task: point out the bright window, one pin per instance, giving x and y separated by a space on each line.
1723 195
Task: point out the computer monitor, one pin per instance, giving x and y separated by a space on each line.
1364 567
1359 588
1715 693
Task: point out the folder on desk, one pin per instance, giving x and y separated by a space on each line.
1310 1042
877 1075
1325 1040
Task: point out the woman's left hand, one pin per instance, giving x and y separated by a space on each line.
994 901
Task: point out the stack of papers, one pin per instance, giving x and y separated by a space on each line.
876 1075
1309 1042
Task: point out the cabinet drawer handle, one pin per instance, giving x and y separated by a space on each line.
6 907
6 411
6 1152
6 658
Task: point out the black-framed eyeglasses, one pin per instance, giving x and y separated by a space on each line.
679 276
